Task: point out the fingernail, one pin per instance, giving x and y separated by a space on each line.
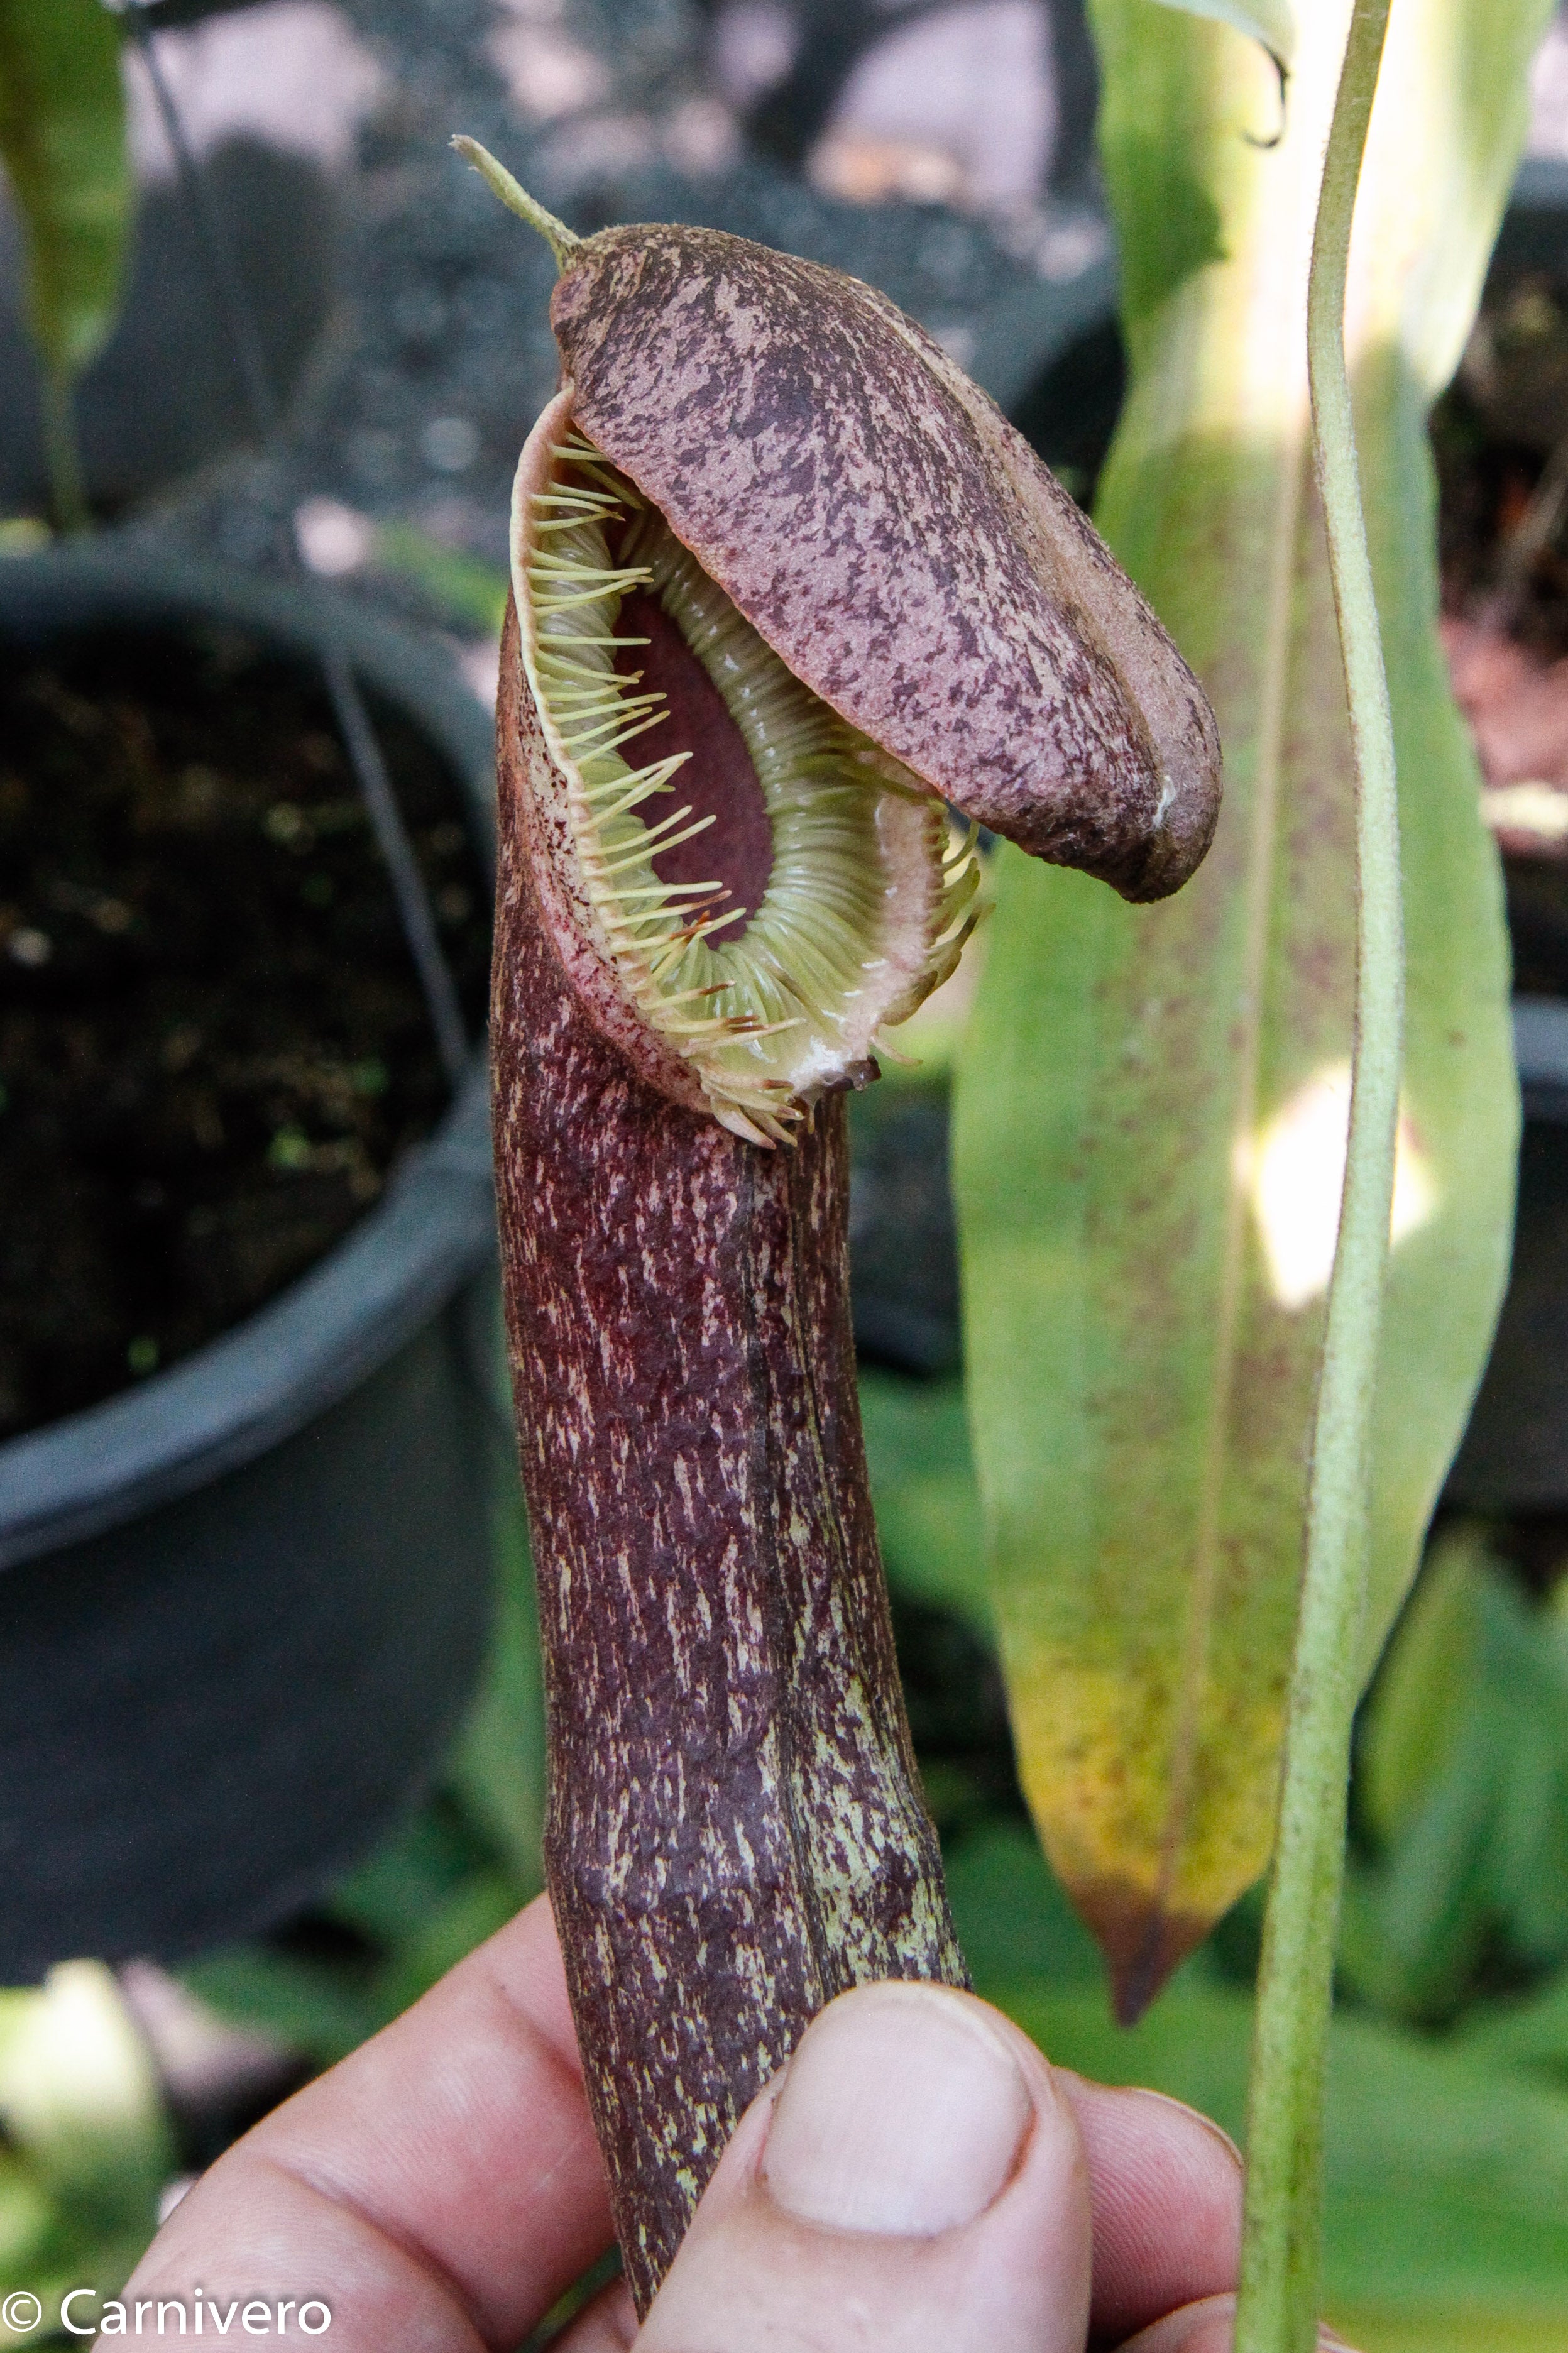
901 2112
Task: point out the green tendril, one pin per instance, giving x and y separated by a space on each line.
562 242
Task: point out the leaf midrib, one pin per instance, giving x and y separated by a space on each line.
1202 1596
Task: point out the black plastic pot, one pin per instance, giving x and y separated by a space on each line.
1534 234
241 1605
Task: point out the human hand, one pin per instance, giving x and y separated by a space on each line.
916 2180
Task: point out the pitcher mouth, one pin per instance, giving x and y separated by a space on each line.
774 889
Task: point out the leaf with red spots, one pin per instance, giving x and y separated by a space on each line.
1152 1102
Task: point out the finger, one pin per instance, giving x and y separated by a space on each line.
440 2188
1206 2328
1166 2187
912 2179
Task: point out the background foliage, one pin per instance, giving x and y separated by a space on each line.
62 143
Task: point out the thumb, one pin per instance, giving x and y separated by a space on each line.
913 2180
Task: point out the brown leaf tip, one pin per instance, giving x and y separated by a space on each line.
1142 1942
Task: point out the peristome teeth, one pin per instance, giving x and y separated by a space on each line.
866 905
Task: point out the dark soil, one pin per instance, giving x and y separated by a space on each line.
213 1046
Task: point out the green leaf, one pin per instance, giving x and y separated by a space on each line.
1012 1918
1459 2329
1464 1781
1414 1932
1412 1715
496 1770
922 1485
62 138
1530 2034
1152 1101
1447 2182
1525 1689
27 2218
418 1867
1269 21
472 591
317 2008
484 1903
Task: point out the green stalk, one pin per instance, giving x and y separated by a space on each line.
67 497
563 241
1283 2225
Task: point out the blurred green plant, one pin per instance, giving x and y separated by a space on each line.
85 2146
62 141
922 1485
1447 2204
1462 1794
471 593
1194 1366
1444 2223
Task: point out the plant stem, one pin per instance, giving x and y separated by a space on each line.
562 242
67 499
1278 2308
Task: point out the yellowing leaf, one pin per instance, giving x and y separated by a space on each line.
1150 1117
62 140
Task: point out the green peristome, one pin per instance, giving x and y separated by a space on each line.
1151 1102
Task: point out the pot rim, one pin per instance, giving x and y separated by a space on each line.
1540 1051
434 1227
